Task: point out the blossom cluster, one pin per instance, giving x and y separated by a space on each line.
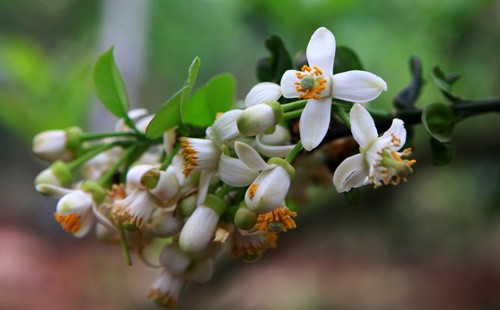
225 188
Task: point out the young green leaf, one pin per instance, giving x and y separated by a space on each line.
444 83
406 98
439 120
346 60
271 69
109 85
443 152
169 114
217 95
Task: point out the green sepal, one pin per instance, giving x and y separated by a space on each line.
215 203
439 121
150 179
97 192
284 164
109 85
277 110
62 172
73 138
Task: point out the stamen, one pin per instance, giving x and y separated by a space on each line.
189 154
279 218
164 300
311 83
252 189
70 223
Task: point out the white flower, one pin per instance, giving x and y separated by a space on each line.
52 145
166 289
318 85
379 161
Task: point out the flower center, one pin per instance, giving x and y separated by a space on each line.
311 83
278 220
70 223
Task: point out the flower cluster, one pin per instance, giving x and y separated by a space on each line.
226 187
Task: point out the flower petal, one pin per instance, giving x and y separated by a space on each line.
314 122
234 172
273 150
357 86
321 50
288 87
205 179
352 172
362 126
250 157
263 92
398 129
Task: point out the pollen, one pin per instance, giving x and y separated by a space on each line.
190 156
163 300
252 189
70 223
278 220
311 83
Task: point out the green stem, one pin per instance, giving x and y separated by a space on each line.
131 125
342 114
96 136
294 105
124 245
224 190
89 155
171 156
106 177
293 153
292 115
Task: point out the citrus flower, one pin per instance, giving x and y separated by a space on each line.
318 85
379 161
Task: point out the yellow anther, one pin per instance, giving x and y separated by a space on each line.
252 189
190 156
70 223
279 217
311 83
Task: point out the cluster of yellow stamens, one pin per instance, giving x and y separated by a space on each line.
251 190
70 223
253 249
190 156
391 167
278 220
163 300
311 83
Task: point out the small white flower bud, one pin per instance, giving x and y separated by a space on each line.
200 228
58 174
52 145
259 118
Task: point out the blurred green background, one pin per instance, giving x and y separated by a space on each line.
431 243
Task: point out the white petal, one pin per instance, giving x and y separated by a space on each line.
198 231
135 174
314 122
362 126
288 87
225 128
352 172
250 156
357 86
234 172
280 136
321 50
74 202
52 190
205 179
167 189
271 187
398 129
87 222
273 150
263 92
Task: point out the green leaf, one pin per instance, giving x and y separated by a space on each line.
217 95
444 83
271 69
346 60
406 98
443 152
352 196
109 85
169 114
439 120
167 117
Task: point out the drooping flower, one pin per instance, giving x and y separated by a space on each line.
318 85
379 161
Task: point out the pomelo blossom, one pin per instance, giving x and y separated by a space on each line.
379 161
318 85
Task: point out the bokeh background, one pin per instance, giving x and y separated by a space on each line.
432 243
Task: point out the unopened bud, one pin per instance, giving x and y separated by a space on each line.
260 118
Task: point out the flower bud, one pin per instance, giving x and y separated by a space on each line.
57 174
163 224
259 118
271 187
174 260
200 228
244 218
52 145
